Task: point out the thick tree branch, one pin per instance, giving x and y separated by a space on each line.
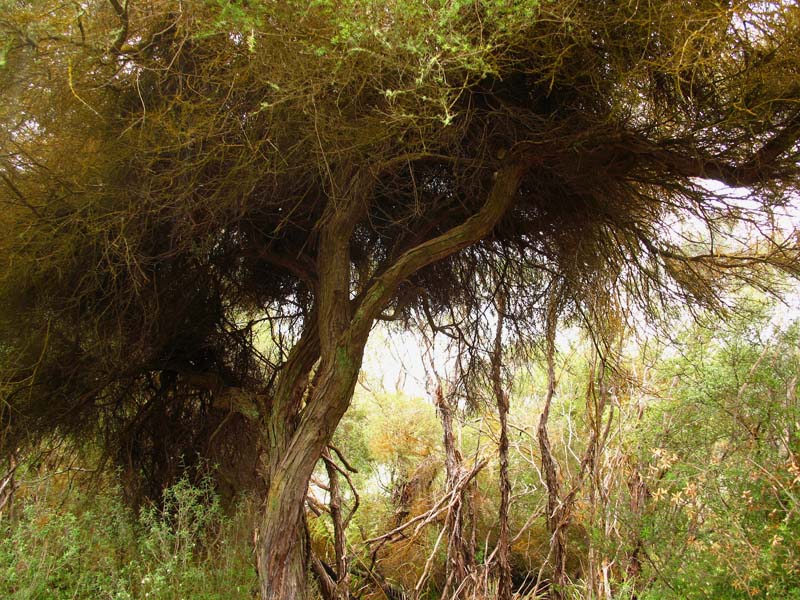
501 196
761 166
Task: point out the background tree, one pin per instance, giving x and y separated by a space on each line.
181 182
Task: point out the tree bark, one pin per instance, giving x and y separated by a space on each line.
327 586
280 553
297 434
283 556
342 591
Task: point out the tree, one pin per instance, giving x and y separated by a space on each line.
180 182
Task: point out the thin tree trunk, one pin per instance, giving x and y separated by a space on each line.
339 542
8 486
504 589
639 497
560 506
638 494
596 572
558 553
460 558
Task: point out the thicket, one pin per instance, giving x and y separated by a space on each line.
694 491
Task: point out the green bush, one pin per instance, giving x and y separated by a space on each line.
89 546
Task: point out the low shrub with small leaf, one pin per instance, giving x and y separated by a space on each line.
85 547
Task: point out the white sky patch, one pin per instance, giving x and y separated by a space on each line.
394 362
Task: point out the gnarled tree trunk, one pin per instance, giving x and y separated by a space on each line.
301 420
281 551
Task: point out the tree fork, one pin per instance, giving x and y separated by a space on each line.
281 556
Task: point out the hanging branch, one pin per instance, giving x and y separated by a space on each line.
442 504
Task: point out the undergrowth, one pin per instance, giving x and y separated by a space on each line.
90 546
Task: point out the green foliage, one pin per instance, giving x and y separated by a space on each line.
52 552
87 545
724 465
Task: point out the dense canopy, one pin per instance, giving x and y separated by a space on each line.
201 200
